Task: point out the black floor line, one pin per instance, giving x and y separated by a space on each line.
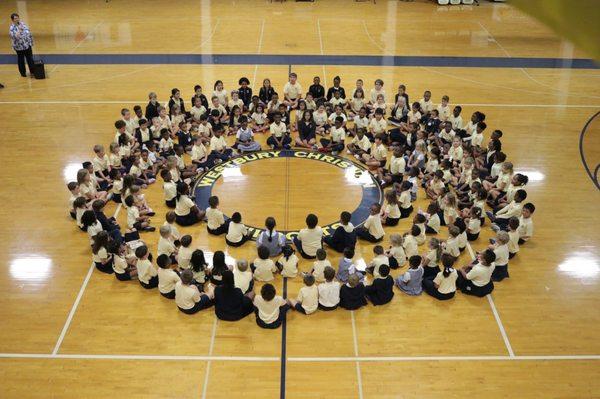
593 176
283 346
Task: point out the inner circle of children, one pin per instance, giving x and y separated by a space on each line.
430 146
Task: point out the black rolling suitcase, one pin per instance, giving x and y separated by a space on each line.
39 71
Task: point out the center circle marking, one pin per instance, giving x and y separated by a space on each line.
354 181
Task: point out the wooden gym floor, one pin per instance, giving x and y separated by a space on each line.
68 331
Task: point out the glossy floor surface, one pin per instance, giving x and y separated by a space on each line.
69 331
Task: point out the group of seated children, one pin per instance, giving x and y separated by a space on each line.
431 148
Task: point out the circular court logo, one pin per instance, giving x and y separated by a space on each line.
371 190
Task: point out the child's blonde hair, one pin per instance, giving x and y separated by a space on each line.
502 237
82 174
396 240
436 244
171 161
165 230
242 265
454 231
508 166
451 199
353 280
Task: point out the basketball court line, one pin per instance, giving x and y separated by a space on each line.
74 49
505 51
321 46
311 59
355 339
258 50
511 353
118 209
593 176
494 105
371 37
73 310
299 359
283 346
78 299
210 352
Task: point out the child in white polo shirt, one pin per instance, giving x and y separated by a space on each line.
237 232
263 267
360 144
307 301
270 308
320 264
167 277
500 247
166 246
184 254
329 291
338 134
526 223
280 137
288 262
379 259
377 158
292 91
372 230
309 239
216 223
147 272
242 276
188 297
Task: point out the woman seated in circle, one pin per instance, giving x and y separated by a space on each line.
230 302
186 211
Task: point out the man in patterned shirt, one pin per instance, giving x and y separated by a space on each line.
22 41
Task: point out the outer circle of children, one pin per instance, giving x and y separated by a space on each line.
405 146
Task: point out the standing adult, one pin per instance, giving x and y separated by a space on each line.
22 41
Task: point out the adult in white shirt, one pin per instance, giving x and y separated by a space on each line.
309 239
476 279
270 308
188 297
443 286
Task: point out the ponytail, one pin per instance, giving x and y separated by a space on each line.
447 271
437 246
270 225
270 235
